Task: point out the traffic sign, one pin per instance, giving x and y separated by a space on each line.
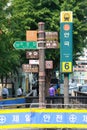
25 45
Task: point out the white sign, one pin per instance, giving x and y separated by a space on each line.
35 62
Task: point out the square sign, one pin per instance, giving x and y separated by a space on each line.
49 64
66 42
31 35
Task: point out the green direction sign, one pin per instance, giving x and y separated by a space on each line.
25 45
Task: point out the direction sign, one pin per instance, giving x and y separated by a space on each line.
31 35
32 54
34 62
25 45
30 68
51 40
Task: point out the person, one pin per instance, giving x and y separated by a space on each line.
52 93
5 92
57 89
19 92
13 90
51 90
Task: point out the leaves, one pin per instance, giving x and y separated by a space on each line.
24 15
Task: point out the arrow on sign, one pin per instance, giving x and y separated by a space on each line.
25 45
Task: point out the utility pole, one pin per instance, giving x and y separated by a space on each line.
41 45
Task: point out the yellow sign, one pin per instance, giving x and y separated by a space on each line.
66 16
66 67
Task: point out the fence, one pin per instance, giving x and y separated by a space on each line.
76 105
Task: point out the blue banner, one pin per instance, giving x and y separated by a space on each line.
43 118
12 101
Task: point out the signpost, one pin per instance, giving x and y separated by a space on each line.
25 45
40 43
66 50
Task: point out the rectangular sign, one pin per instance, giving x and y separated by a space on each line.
35 62
48 64
51 40
43 118
32 54
66 48
31 35
30 68
25 45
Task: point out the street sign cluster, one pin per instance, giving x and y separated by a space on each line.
66 42
33 46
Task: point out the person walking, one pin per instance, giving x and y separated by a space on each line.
5 92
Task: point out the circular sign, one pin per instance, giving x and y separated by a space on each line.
66 27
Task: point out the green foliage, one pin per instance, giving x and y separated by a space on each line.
24 15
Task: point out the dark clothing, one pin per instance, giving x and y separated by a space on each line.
4 96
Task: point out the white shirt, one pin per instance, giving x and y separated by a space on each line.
19 91
5 91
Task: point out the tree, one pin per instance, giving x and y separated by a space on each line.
25 15
8 57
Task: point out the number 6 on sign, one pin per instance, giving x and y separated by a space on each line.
66 67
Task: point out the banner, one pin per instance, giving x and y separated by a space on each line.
43 118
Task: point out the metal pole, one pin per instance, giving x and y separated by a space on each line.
66 89
41 44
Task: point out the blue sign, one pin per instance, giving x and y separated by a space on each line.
12 101
43 118
66 47
66 42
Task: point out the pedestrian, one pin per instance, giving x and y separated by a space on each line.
19 92
51 90
52 93
5 92
57 89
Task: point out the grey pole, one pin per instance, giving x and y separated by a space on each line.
41 44
66 89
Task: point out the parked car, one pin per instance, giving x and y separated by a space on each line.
71 89
83 88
